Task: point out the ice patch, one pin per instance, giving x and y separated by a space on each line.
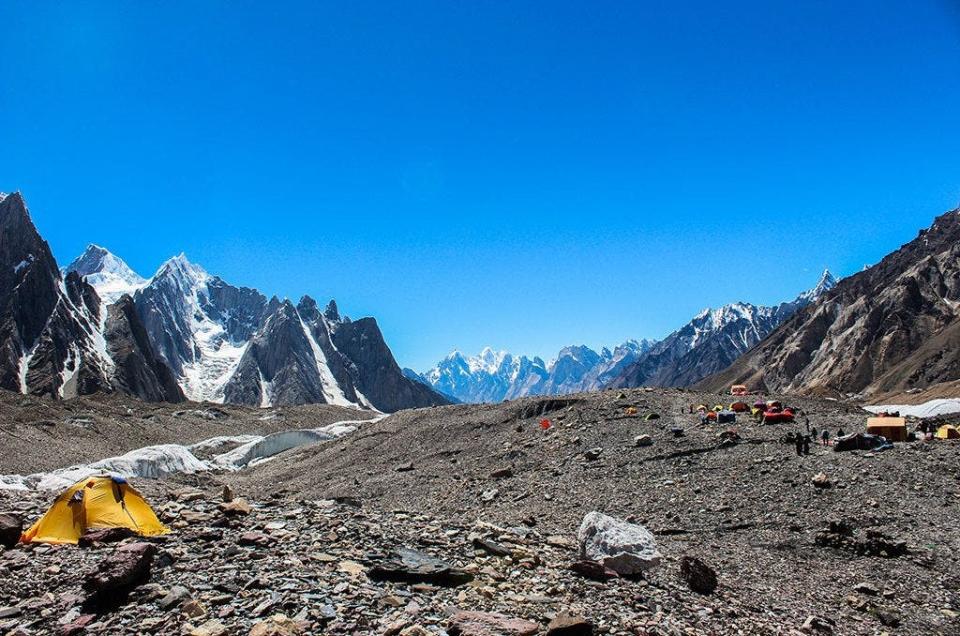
22 264
24 367
265 447
931 408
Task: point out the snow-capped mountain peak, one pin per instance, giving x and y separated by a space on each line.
106 272
827 282
182 272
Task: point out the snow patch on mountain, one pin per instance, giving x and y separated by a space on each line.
331 390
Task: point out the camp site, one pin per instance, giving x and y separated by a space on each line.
210 515
470 318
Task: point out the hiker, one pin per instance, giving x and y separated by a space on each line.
806 422
806 444
825 436
813 432
798 441
840 432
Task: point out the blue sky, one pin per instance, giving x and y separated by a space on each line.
523 175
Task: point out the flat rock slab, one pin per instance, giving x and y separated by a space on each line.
469 623
411 566
105 535
566 624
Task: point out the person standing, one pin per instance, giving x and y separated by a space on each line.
825 436
798 441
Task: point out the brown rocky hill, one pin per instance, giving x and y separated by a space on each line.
892 327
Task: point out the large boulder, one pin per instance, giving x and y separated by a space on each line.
623 547
11 527
119 573
699 576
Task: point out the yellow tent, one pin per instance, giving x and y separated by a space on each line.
948 431
94 504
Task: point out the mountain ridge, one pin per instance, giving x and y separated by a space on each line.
96 325
892 327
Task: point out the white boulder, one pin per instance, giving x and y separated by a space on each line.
625 548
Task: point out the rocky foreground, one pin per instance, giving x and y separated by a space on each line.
468 520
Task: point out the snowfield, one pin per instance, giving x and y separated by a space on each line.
932 408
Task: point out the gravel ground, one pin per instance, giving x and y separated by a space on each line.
440 479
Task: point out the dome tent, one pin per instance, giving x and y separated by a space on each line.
95 503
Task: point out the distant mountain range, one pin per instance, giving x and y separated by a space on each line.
494 376
182 334
893 327
708 343
713 340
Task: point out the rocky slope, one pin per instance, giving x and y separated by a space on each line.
497 501
889 328
712 341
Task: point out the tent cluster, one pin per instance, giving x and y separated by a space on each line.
886 428
96 503
719 414
773 412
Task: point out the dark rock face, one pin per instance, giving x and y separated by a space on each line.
241 310
48 326
28 291
320 326
375 372
300 356
278 366
138 371
892 327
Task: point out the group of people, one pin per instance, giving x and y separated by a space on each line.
803 442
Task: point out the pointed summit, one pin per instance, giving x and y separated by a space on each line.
13 212
332 313
109 275
827 281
